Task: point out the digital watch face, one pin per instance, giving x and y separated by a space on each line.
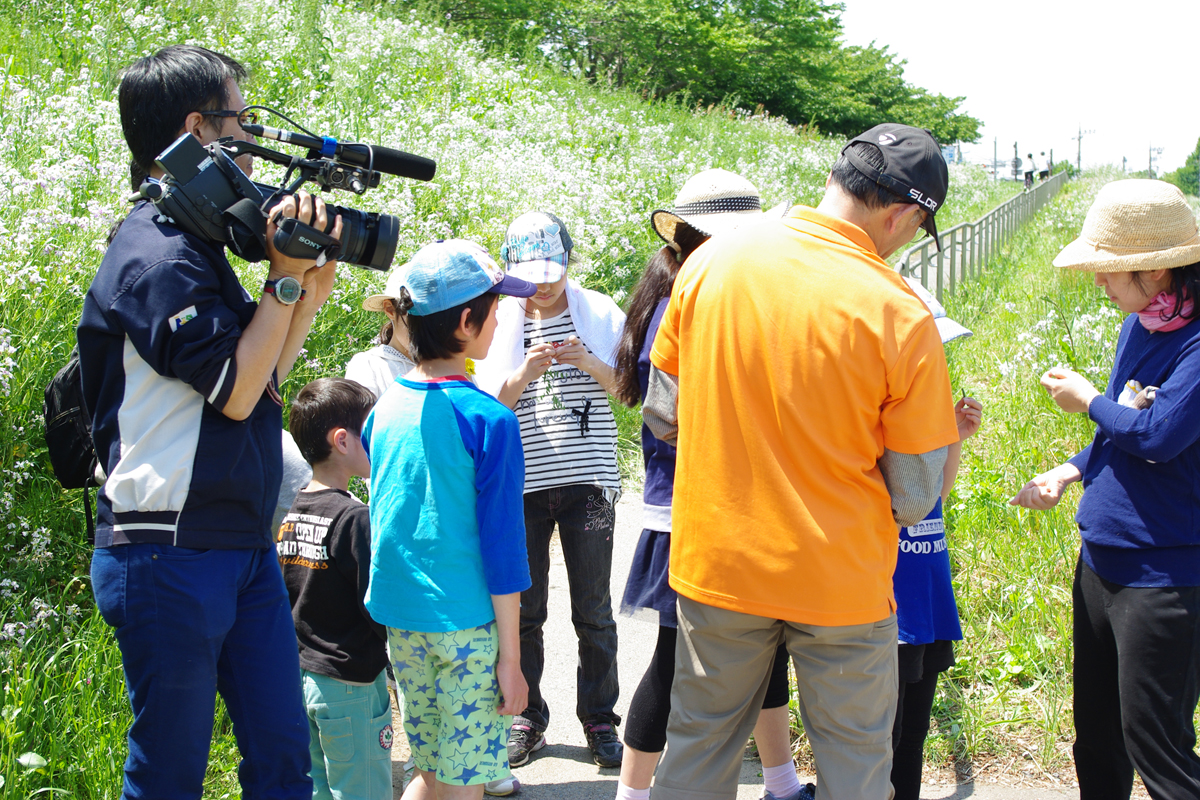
287 290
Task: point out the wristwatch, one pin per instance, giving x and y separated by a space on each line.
287 289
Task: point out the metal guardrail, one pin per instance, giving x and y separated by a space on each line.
968 246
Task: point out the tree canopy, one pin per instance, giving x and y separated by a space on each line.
783 55
1187 177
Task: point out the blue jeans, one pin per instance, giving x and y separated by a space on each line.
585 529
191 623
350 737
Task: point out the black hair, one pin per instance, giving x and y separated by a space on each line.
434 336
859 186
159 91
656 282
325 405
1185 285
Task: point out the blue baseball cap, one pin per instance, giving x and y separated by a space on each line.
450 272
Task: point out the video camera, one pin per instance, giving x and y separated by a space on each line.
205 193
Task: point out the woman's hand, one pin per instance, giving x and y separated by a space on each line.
968 415
1071 391
1045 490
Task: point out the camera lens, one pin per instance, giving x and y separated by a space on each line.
368 239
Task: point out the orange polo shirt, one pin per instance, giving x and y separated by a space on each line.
801 355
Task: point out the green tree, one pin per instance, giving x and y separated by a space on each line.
1187 177
784 56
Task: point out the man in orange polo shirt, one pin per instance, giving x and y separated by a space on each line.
808 387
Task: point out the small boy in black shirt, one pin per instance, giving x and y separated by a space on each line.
324 547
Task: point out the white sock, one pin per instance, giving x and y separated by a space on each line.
780 781
625 793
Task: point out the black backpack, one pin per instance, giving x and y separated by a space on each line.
69 435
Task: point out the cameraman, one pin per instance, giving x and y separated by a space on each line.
180 371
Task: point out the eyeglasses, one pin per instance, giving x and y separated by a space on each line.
243 117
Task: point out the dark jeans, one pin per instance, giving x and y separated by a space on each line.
1136 656
585 529
191 623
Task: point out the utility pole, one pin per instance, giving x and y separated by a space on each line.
1154 151
1079 150
1124 160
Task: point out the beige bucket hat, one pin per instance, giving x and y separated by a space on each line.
1135 226
712 202
391 291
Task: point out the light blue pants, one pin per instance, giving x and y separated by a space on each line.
350 738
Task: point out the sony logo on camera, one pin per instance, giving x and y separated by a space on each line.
309 242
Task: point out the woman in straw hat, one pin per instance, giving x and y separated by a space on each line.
379 367
710 203
1136 594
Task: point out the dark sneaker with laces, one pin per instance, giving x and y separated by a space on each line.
523 742
604 743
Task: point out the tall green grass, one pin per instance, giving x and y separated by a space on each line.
1011 689
508 138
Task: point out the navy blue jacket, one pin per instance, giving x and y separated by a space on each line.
657 455
1140 512
160 326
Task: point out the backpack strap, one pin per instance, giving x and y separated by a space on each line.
87 513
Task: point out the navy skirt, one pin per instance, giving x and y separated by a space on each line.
647 589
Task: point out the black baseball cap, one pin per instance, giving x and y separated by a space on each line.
913 167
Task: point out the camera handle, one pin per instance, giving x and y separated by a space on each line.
325 173
299 240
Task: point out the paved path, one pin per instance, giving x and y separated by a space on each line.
564 769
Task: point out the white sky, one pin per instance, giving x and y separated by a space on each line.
1035 70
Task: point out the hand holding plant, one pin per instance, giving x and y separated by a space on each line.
968 415
1071 391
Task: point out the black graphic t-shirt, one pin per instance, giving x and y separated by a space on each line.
324 547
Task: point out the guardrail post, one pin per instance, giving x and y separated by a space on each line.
972 245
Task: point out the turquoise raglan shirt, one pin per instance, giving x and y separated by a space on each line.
447 510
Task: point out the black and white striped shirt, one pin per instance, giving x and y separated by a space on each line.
567 427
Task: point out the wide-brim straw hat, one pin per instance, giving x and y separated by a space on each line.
391 291
712 202
1135 226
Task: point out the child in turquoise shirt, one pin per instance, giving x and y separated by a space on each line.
448 559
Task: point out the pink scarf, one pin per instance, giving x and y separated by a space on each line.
1154 316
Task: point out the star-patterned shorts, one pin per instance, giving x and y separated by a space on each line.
450 699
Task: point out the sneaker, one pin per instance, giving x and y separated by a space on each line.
503 787
602 740
806 792
523 742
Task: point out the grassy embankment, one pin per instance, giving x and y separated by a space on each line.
508 138
1008 701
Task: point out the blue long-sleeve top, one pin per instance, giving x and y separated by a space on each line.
1139 517
447 510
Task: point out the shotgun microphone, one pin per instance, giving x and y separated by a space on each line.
376 157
